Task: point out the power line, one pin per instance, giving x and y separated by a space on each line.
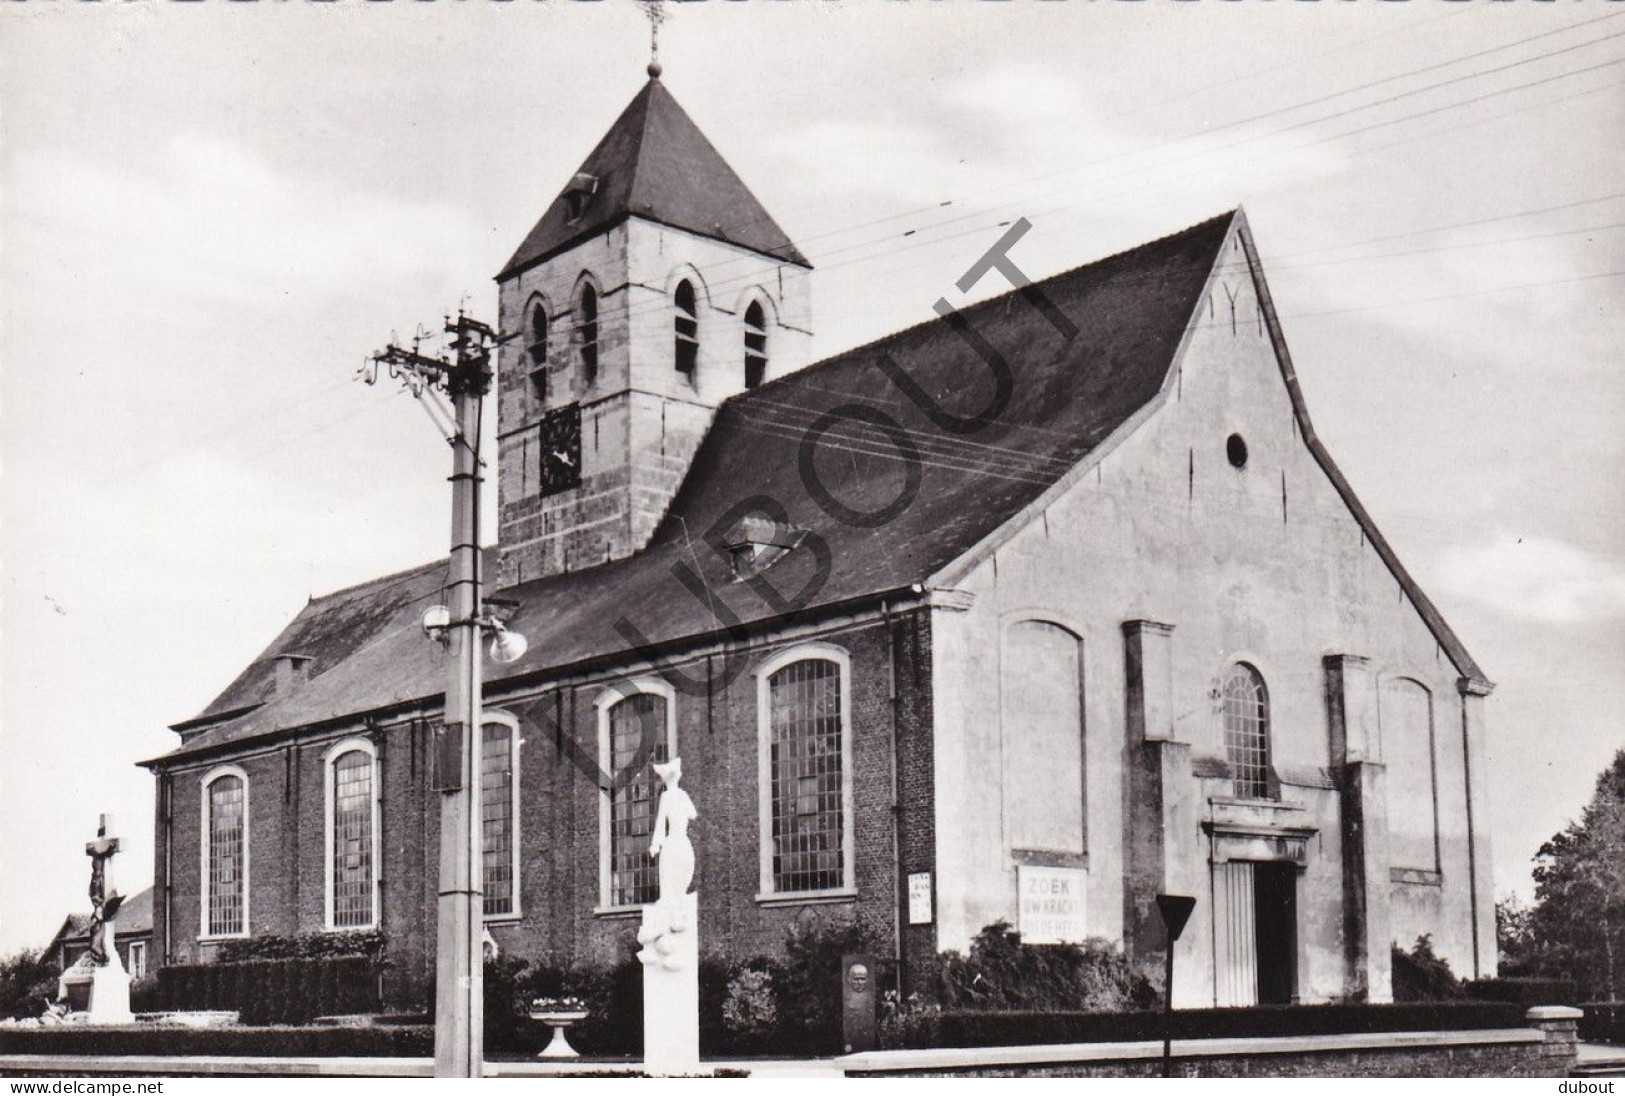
659 305
749 276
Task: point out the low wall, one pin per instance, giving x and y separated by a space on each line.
1546 1048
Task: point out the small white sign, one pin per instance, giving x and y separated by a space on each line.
919 898
1052 908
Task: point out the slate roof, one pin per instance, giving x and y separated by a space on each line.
655 163
1067 396
134 918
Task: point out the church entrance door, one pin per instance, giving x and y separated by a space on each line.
1255 933
1275 910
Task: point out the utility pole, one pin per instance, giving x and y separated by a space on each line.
459 1018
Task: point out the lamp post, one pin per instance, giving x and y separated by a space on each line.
459 975
1175 910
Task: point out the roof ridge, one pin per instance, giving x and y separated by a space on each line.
643 100
378 580
849 352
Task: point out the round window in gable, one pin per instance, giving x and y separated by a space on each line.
1236 450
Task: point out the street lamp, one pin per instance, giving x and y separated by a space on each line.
507 645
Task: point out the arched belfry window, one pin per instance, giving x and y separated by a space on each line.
755 345
1247 732
687 330
225 852
587 329
536 349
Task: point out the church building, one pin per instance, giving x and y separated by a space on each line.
1027 613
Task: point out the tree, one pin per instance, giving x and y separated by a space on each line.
1515 937
1577 926
27 982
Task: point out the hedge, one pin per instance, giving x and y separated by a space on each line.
924 1029
1524 991
304 945
262 1042
1603 1022
273 991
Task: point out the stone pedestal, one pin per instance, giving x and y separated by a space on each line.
110 994
671 986
101 993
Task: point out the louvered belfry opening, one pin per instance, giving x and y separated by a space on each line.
687 333
755 345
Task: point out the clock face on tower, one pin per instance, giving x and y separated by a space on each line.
559 435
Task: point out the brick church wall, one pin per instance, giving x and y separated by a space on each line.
559 820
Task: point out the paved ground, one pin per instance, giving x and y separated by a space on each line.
1590 1055
1599 1052
52 1065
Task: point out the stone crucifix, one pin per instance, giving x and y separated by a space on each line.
104 897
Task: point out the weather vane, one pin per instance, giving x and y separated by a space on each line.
655 10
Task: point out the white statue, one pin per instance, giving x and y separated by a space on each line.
670 938
672 816
670 845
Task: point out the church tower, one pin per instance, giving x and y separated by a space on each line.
653 288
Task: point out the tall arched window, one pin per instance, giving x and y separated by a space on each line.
225 852
587 328
352 836
537 350
499 817
1247 732
805 758
755 345
635 731
1042 738
687 330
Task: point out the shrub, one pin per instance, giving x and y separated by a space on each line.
1524 991
280 1042
272 991
1008 1028
1603 1022
1420 975
1002 973
908 1022
808 983
750 1010
27 983
144 994
505 1022
612 994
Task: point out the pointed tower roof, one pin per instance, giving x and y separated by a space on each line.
655 163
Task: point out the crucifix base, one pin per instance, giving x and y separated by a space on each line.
110 995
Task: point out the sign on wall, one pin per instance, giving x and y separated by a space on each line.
919 898
1052 908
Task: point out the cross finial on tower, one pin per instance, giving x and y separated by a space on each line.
655 10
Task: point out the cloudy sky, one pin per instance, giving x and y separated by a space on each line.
212 212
